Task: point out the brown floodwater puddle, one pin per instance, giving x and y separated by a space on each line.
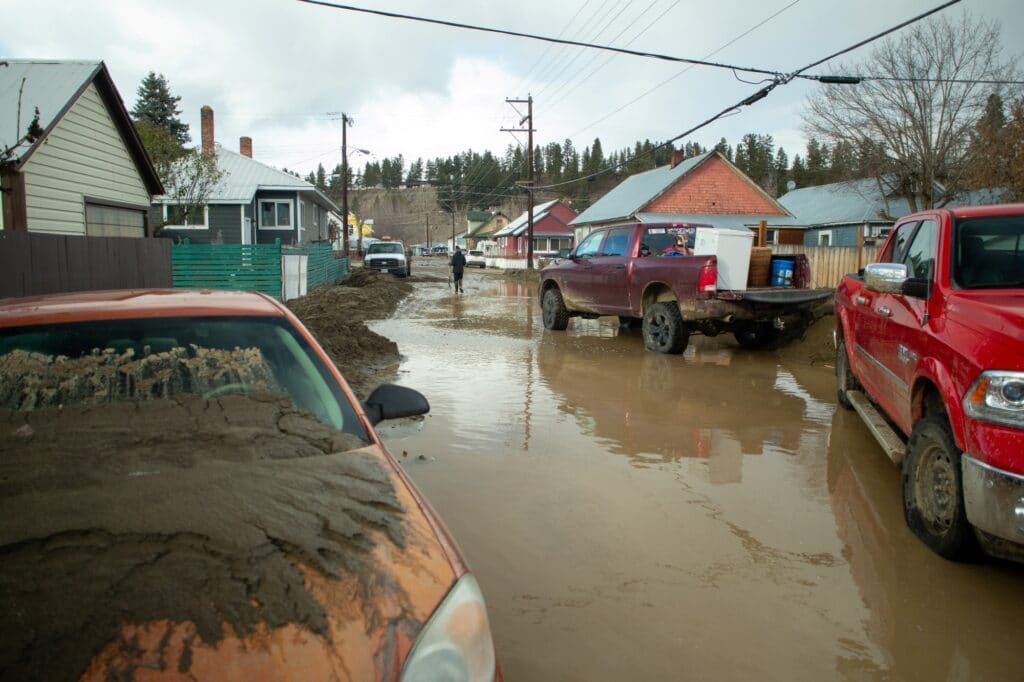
705 516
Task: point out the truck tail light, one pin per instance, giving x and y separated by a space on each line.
707 281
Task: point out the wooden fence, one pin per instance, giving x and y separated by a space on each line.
237 267
829 263
251 267
33 263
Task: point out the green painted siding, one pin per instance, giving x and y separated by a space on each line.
237 267
83 155
225 226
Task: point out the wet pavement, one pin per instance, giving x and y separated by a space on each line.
712 516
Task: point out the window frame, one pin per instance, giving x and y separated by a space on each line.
276 228
177 226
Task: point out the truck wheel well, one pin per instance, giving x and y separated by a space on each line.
656 293
926 401
547 284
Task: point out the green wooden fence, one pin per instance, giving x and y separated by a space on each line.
238 267
250 267
322 267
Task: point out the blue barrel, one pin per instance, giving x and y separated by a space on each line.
782 272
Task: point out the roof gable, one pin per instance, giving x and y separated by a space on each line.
53 87
540 212
713 187
851 202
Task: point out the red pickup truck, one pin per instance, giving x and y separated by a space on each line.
623 270
930 352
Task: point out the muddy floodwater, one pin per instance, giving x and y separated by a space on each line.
714 516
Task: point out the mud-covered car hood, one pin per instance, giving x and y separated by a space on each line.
188 537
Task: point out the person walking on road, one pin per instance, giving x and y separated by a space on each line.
458 265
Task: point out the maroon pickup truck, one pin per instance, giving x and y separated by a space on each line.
623 270
930 352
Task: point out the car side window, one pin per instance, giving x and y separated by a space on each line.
920 255
897 247
588 247
617 242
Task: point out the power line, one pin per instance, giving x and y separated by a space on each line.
762 93
531 36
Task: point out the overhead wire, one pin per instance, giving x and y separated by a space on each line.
761 94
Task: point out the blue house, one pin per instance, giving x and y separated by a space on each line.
253 203
833 213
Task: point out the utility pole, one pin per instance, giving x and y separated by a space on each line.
428 229
528 120
344 176
453 220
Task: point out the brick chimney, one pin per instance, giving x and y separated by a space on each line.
245 146
206 121
678 156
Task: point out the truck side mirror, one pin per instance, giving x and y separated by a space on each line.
885 278
916 287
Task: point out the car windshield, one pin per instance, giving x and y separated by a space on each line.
989 252
476 253
172 362
391 247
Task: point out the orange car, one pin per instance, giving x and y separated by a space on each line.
190 490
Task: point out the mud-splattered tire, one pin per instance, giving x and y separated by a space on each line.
933 498
555 314
845 379
664 329
759 336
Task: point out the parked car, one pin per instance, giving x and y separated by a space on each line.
388 256
620 270
190 488
439 251
930 352
475 259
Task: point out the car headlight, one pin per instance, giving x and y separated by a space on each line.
997 396
455 645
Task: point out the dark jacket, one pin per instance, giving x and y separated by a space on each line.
458 263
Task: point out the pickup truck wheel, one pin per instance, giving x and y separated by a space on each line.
845 379
664 329
756 336
933 499
555 315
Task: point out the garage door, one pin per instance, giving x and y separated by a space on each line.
114 221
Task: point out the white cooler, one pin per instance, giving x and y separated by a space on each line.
732 247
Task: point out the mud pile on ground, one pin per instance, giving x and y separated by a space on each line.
523 275
185 510
337 315
815 346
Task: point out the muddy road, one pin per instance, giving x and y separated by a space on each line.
711 516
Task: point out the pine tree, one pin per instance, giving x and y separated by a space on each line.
321 178
156 105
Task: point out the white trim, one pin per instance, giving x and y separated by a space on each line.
291 214
826 233
301 214
204 226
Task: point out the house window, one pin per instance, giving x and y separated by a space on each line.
825 238
276 214
186 216
770 236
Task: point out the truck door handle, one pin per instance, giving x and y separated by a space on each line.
860 300
884 312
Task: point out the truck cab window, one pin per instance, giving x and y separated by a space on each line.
588 247
897 246
920 255
617 242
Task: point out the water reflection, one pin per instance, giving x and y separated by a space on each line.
934 619
714 404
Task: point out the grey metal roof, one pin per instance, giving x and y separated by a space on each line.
48 85
840 203
517 226
723 220
631 194
244 176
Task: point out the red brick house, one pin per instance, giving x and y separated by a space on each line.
703 189
551 232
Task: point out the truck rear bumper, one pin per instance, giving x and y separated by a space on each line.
993 499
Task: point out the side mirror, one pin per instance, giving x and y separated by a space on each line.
389 401
916 287
885 278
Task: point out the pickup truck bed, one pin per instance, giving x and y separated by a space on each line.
609 273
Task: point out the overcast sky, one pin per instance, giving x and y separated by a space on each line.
274 69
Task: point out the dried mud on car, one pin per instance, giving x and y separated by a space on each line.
213 513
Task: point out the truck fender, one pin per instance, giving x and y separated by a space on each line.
931 372
656 292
